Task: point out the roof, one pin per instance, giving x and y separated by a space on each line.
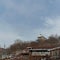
41 37
45 46
39 50
55 48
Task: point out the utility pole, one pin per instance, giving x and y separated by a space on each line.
4 46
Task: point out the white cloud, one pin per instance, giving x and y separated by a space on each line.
51 26
7 33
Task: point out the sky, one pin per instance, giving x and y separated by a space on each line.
26 19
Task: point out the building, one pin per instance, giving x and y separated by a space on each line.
55 53
41 51
39 54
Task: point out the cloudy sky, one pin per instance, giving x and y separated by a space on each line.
26 19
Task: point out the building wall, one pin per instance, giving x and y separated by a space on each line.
25 57
39 55
52 54
55 54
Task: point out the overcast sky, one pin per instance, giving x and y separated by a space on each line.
26 19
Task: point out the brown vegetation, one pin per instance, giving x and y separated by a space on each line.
42 42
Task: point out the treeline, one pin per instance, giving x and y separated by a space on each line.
40 42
